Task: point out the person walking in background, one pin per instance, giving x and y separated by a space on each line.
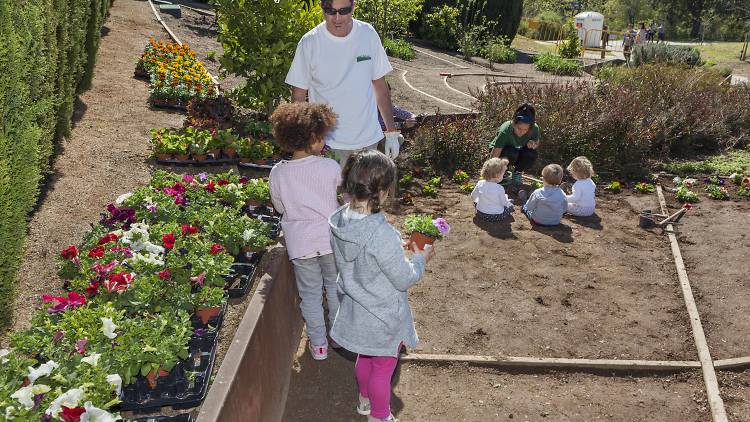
662 32
640 37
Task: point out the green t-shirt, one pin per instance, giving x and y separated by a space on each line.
507 138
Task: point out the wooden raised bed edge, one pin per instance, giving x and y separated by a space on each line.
253 381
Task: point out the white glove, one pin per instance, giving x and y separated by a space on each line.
393 144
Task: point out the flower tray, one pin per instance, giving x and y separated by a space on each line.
171 105
275 225
185 386
268 166
185 417
206 162
213 322
240 279
258 211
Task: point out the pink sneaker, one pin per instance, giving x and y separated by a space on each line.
319 352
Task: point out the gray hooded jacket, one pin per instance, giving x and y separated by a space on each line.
374 316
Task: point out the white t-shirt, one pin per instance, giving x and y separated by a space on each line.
584 194
490 197
339 71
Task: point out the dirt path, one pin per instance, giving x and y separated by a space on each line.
104 156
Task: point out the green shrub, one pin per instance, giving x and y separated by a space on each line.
46 56
399 48
259 39
441 27
500 52
570 48
400 14
447 146
548 62
630 119
665 53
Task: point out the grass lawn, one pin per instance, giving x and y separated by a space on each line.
527 44
736 161
721 52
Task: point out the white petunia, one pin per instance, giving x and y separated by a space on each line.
248 234
9 411
94 414
92 359
115 381
70 398
108 328
43 370
147 258
122 198
24 396
3 354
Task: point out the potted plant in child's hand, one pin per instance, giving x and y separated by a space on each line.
424 230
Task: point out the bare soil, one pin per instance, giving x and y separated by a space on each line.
327 391
714 240
596 287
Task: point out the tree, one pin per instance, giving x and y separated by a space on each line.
259 39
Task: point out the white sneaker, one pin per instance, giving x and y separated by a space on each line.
390 418
318 352
363 407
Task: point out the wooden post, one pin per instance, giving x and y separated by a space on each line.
605 40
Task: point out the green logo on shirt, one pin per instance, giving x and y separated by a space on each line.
363 58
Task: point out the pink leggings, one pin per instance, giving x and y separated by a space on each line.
374 378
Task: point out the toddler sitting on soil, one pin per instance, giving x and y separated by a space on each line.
489 196
582 201
547 205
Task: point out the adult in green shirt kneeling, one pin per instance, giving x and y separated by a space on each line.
517 140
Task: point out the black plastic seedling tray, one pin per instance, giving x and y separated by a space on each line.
186 385
240 279
185 417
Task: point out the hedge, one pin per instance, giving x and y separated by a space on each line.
46 58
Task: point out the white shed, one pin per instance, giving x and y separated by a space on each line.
590 23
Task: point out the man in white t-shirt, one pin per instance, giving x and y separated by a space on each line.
342 63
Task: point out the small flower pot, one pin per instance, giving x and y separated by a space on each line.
206 314
216 153
153 376
163 157
181 157
243 160
421 240
230 152
260 162
276 157
252 202
201 157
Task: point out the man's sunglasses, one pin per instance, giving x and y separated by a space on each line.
342 11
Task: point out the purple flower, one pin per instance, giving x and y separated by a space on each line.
38 398
179 200
187 178
200 332
46 418
151 207
721 182
442 226
203 177
81 345
58 336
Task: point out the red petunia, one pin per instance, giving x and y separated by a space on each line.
70 252
187 229
211 186
97 252
244 180
93 289
688 206
216 248
165 274
118 282
109 237
223 182
168 240
72 414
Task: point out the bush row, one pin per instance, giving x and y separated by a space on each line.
47 56
622 122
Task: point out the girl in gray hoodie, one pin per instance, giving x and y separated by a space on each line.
374 317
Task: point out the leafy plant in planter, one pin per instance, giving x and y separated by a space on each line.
244 149
644 187
261 151
208 302
258 192
256 238
198 149
460 176
424 229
